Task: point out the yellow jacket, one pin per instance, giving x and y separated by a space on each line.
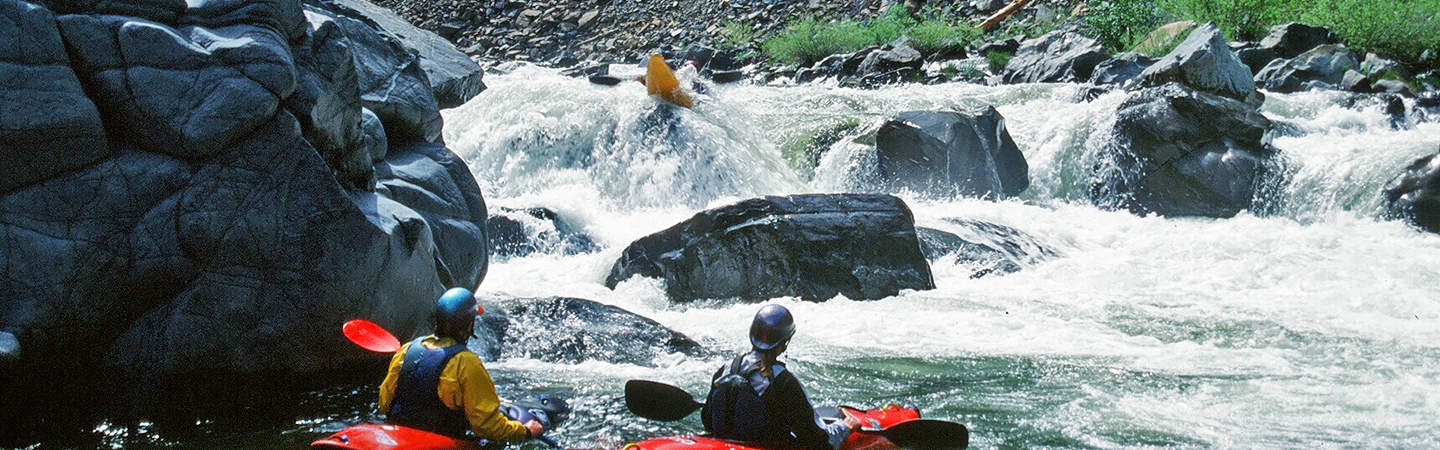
463 381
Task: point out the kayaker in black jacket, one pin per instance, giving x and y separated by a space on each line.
756 399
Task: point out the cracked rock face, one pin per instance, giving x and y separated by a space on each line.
216 188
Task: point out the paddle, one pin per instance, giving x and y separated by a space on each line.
660 401
370 336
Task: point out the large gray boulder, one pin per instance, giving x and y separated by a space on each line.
947 153
812 246
572 330
454 77
1286 41
1325 64
1414 194
1120 69
1178 152
266 171
44 104
1061 56
1202 62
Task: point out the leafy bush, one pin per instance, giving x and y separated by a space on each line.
998 60
932 35
1242 19
1117 24
1396 28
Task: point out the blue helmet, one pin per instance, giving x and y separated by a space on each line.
771 328
455 313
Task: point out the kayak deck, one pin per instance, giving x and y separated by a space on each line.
884 417
373 436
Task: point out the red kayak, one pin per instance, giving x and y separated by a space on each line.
885 417
372 436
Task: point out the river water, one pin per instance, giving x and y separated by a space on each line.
1310 324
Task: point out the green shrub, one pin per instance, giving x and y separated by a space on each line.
998 60
1117 24
809 39
1242 19
736 36
1395 28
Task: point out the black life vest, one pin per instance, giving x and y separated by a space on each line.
417 400
738 411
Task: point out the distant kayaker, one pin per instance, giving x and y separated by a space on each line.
444 388
755 399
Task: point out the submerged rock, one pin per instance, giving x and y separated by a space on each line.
946 153
1177 152
520 232
988 248
1414 194
812 246
572 330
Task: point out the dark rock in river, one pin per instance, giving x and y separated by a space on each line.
1203 62
946 153
1414 194
520 232
812 246
453 77
1061 56
1120 69
266 170
571 330
1178 152
1324 64
987 247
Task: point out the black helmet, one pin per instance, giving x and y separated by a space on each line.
455 312
772 327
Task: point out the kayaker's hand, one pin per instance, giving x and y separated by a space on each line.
536 429
852 422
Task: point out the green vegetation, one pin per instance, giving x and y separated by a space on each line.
998 60
736 36
1397 29
809 39
1119 24
1391 28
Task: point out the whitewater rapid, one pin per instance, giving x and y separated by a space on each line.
1313 322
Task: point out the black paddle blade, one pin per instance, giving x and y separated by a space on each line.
928 434
658 401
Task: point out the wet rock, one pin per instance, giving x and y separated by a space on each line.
1062 56
1120 69
1355 82
1396 87
1202 62
1294 38
453 77
890 63
986 247
1089 92
727 76
230 205
572 330
1414 194
521 232
812 246
1007 46
1178 152
947 153
44 102
1326 64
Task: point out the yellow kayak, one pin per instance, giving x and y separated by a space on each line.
659 79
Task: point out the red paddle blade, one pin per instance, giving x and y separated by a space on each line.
370 336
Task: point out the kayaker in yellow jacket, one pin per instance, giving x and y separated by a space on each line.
445 388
